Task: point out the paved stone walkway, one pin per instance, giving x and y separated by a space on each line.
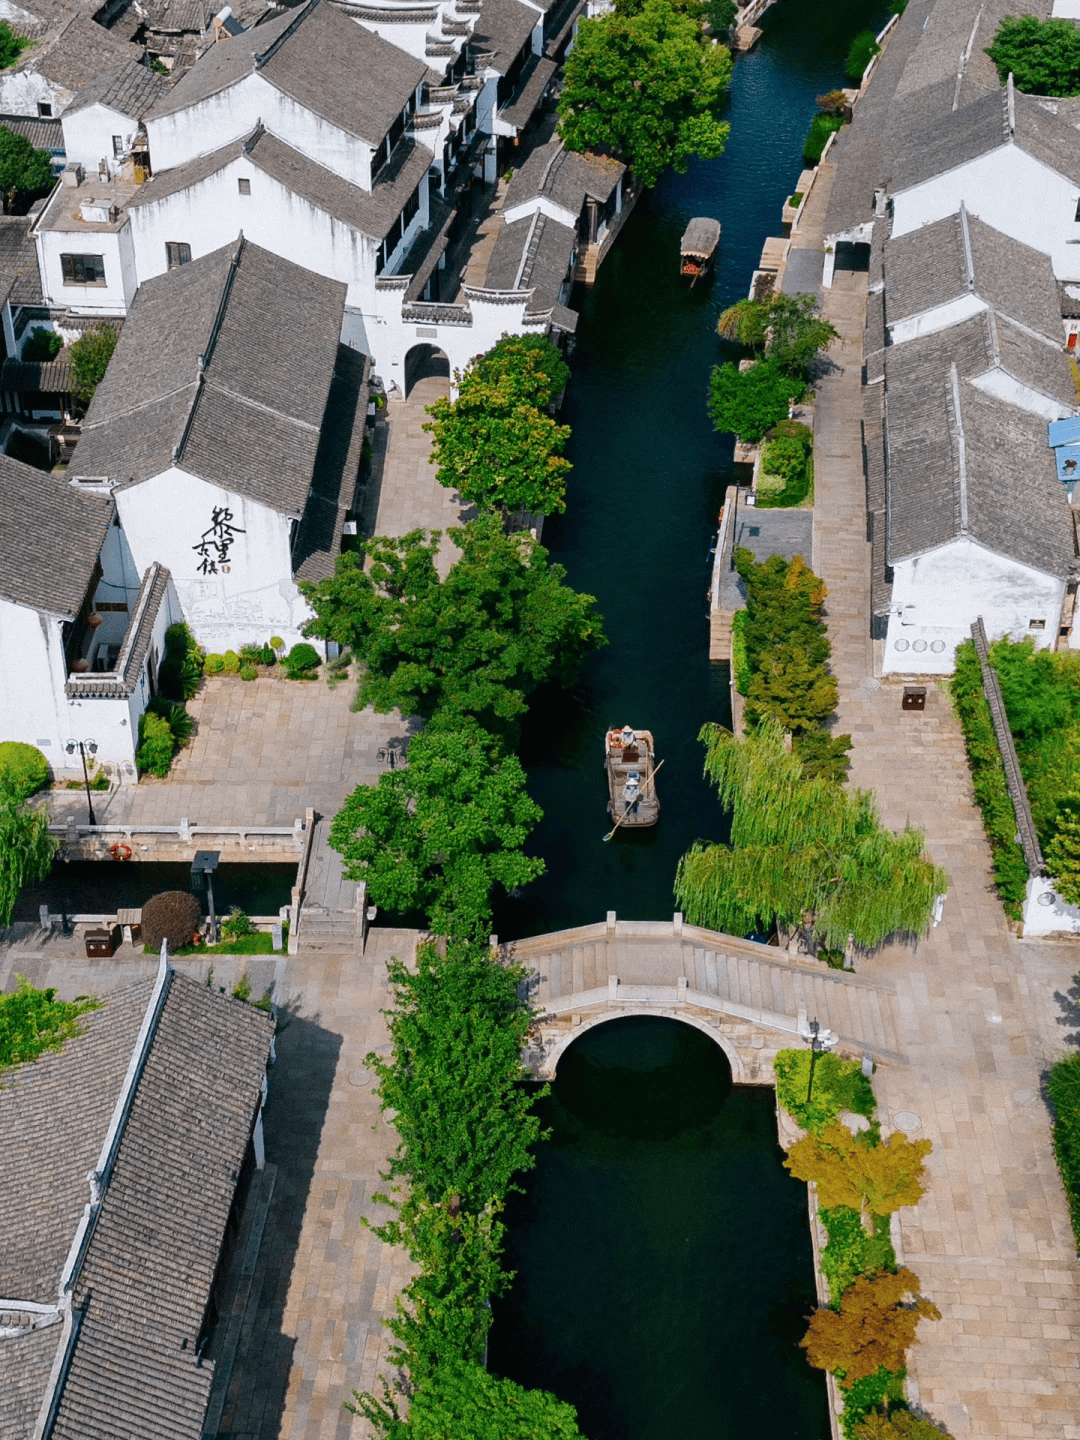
980 1013
410 498
264 751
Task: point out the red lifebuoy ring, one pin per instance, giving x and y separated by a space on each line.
120 851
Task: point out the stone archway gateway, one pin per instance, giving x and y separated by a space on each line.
752 999
425 362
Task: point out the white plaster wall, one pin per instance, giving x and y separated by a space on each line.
233 113
21 90
112 722
937 597
408 37
939 318
33 706
254 598
1002 386
1009 190
88 136
112 298
392 338
546 206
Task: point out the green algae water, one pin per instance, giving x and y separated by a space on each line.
663 1259
648 481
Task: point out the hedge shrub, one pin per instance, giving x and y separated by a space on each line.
838 1085
850 1251
214 664
739 663
988 779
301 661
24 766
821 128
1063 1086
182 668
173 915
863 49
156 749
230 662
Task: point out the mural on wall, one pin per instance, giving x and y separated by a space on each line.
216 541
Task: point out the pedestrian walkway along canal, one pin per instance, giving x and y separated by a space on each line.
662 1253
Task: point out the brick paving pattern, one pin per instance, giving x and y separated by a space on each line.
983 1013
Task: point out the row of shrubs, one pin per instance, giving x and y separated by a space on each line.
988 779
863 1334
782 665
300 663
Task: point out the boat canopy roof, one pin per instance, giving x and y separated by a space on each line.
701 236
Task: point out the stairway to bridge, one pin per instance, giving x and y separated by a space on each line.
640 964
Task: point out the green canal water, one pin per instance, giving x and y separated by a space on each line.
663 1255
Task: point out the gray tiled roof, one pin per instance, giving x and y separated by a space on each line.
337 466
929 267
501 31
316 55
20 278
78 53
536 80
149 1267
130 88
54 535
1016 506
266 331
42 134
26 1361
564 177
54 1114
370 212
532 253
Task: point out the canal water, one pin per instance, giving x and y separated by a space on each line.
663 1255
648 481
664 1271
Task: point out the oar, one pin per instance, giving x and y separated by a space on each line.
648 780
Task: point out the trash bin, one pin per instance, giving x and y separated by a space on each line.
99 944
914 698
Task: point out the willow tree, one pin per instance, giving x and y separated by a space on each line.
26 847
803 852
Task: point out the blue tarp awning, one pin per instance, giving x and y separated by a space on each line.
1068 462
1063 432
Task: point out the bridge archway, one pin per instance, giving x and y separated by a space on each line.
555 1048
425 362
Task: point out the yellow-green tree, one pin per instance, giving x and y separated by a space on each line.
874 1326
869 1178
899 1425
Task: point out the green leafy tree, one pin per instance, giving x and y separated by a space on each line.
802 852
648 87
24 171
898 1424
873 1328
476 643
34 1021
26 847
90 356
11 45
526 355
792 688
1043 56
438 834
720 15
788 328
495 444
1063 854
749 403
467 1402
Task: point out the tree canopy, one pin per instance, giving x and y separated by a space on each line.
803 851
11 45
789 328
477 643
871 1330
467 1402
90 356
495 444
24 171
648 87
26 847
1043 56
748 403
34 1021
869 1178
438 834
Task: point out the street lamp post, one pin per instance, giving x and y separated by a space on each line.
83 746
816 1047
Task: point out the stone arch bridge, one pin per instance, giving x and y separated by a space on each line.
752 999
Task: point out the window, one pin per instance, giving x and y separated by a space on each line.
177 254
1036 624
83 269
118 147
412 205
44 109
244 186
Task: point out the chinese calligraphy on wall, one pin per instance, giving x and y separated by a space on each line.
216 541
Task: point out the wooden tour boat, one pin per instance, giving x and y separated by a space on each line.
698 248
630 756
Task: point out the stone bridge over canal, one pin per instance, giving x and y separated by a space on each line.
752 999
